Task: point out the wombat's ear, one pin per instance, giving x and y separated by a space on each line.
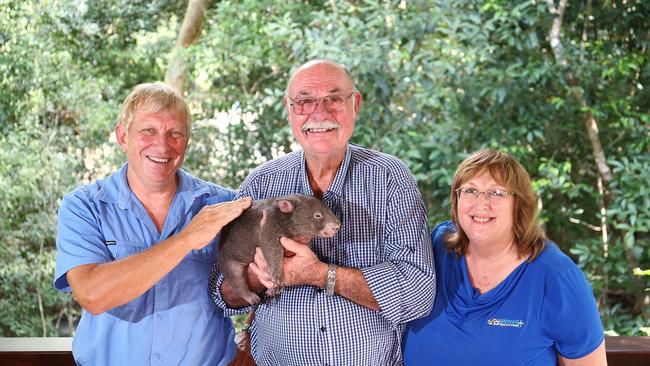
286 206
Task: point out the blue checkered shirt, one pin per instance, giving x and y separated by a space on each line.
384 233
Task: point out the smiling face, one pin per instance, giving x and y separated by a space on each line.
486 222
322 134
155 145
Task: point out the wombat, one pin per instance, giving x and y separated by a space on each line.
262 225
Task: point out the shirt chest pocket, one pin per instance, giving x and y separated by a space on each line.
352 248
195 274
360 254
360 240
122 248
205 254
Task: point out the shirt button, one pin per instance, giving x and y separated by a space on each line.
156 355
160 317
323 329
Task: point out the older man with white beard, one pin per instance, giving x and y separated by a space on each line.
346 299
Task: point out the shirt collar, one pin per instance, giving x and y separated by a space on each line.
336 188
116 188
188 188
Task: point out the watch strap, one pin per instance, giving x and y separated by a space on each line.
331 279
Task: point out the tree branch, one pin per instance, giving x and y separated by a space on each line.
189 34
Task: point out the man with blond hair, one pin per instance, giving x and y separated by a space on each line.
135 248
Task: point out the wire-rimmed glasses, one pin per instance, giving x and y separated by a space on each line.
469 194
331 103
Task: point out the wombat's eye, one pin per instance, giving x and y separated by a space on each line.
318 215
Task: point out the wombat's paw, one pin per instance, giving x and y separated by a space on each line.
274 291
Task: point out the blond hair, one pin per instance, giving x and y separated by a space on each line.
154 98
529 235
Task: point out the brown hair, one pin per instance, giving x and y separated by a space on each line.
529 235
153 98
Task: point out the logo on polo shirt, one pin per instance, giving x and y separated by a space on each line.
506 322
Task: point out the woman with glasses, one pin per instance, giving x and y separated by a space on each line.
505 295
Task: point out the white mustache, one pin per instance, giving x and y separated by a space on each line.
324 125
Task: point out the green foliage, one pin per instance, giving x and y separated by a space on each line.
29 195
65 66
439 80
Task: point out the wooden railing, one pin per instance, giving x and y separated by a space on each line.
628 351
55 351
621 351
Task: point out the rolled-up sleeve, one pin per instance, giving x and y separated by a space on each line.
79 239
404 285
216 280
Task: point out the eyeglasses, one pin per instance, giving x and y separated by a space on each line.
471 194
331 103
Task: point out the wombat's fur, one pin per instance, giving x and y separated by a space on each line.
262 225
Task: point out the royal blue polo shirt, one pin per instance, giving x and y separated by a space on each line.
175 322
543 308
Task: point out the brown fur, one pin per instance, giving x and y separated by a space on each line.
262 225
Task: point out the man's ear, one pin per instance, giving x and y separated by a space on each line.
120 134
357 103
285 101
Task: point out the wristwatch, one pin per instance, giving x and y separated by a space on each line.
331 279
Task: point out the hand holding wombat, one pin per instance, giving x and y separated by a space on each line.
262 225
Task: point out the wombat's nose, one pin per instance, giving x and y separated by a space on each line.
335 226
330 229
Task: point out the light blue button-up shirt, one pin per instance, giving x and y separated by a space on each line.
175 322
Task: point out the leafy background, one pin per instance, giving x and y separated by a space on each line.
439 80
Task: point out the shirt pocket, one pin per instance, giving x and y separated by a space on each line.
195 272
122 248
357 246
205 254
359 254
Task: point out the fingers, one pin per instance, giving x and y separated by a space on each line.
230 210
243 202
260 260
221 214
211 219
300 268
260 269
263 276
236 205
292 245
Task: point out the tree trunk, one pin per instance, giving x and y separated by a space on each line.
589 120
604 171
189 34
